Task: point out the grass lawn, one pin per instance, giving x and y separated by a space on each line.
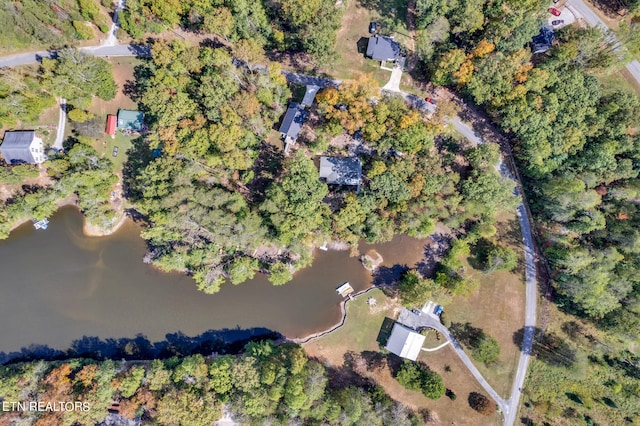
360 331
122 72
105 145
497 307
354 33
360 335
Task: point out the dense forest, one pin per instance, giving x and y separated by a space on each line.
223 203
266 384
285 25
30 24
576 143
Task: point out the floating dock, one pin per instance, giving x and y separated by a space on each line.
41 224
345 289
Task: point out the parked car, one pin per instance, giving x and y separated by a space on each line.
373 27
554 11
557 22
417 312
438 310
430 100
115 151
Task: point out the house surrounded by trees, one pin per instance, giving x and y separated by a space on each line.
292 122
341 171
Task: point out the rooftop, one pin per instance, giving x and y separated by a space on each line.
383 48
341 170
16 148
18 139
130 120
405 342
293 120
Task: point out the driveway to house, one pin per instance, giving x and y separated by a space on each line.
531 280
393 85
416 322
581 10
112 40
62 121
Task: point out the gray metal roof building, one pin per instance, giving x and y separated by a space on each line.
18 147
130 120
341 170
404 342
383 48
293 120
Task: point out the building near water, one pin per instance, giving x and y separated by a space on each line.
341 171
22 147
405 342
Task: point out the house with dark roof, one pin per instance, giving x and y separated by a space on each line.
383 48
130 120
22 146
341 171
544 40
293 121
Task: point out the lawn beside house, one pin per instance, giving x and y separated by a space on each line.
356 344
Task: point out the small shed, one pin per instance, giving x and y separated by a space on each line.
111 125
130 120
404 342
383 48
341 171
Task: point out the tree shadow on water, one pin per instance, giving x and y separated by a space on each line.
386 277
140 347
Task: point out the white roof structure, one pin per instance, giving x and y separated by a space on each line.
405 342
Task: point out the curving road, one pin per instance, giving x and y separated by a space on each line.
510 409
581 10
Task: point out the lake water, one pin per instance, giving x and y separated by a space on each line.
59 285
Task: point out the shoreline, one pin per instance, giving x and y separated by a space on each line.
88 229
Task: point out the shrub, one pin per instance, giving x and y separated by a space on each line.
418 376
481 404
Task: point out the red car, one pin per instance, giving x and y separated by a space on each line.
554 11
431 101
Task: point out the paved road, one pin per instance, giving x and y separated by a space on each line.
531 292
581 10
102 51
62 121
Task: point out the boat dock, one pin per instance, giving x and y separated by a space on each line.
41 224
345 289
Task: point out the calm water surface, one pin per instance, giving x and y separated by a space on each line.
59 285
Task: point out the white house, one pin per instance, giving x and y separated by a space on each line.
404 342
22 146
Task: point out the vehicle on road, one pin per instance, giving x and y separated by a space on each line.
557 22
554 11
438 310
115 151
373 27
